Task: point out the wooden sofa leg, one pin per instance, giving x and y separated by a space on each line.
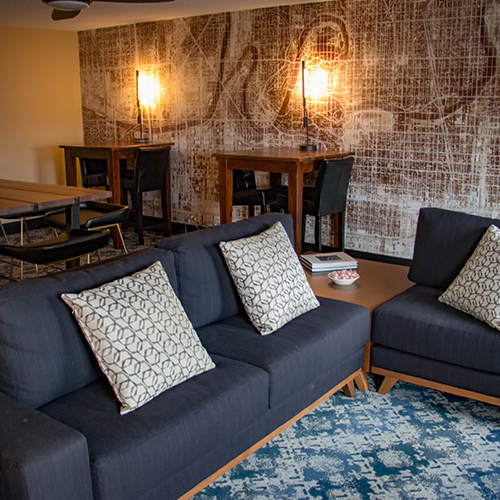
349 389
387 385
361 381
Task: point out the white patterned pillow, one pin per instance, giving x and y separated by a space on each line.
140 335
476 289
269 278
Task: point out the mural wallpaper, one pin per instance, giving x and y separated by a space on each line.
413 91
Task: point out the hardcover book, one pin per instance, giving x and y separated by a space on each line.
328 261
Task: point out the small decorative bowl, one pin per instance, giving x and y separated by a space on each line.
344 277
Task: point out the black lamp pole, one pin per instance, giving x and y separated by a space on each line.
139 112
307 146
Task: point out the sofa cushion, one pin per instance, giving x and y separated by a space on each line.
206 289
140 335
416 322
133 454
444 242
269 278
299 352
44 354
476 290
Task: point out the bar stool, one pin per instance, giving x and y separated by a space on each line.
94 216
327 197
245 192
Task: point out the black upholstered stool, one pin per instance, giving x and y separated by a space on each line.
63 248
94 215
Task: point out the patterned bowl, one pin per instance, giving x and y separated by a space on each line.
344 277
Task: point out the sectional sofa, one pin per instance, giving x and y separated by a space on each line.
62 436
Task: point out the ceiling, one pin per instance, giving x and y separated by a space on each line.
35 14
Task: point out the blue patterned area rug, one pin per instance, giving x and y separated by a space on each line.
413 443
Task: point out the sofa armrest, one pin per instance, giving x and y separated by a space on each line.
40 458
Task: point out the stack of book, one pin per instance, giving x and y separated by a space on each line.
326 262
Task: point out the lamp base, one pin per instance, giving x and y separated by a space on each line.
142 141
308 147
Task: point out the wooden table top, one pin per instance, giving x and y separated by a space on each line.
282 154
117 145
20 196
377 283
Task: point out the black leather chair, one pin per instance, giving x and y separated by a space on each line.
327 197
94 216
246 193
151 173
94 172
68 246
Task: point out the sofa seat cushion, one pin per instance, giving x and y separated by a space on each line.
44 353
299 352
416 322
131 455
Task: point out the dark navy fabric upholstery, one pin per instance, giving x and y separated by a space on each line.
131 454
166 447
233 445
436 371
416 322
44 459
444 242
299 352
206 288
44 355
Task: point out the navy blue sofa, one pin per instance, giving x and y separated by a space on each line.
418 339
61 434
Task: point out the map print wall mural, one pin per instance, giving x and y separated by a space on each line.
412 91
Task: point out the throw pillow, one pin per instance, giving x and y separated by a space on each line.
476 289
140 335
269 278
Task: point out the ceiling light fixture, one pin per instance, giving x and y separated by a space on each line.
68 4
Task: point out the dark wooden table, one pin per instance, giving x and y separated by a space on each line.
113 152
291 161
20 197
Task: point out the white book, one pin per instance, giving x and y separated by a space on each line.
328 261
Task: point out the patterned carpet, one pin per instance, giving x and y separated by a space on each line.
413 443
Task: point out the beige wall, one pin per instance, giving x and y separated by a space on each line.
40 102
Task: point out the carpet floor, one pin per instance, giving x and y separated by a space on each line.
413 443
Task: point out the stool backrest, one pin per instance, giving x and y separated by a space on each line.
243 180
94 172
152 167
332 185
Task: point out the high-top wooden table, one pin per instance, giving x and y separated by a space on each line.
290 161
20 197
377 283
113 152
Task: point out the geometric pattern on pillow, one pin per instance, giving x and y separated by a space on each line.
269 278
140 334
476 289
